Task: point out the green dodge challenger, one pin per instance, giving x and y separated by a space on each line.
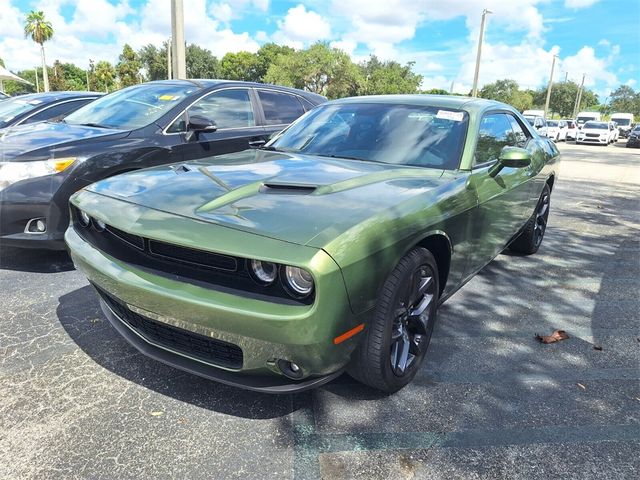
328 250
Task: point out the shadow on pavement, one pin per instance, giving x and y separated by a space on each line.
34 260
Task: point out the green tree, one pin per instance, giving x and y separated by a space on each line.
40 30
128 67
240 66
435 91
154 61
625 100
104 77
508 91
320 69
67 76
267 55
201 63
389 77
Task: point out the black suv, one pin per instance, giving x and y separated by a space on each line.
150 124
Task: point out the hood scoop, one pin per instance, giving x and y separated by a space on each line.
287 188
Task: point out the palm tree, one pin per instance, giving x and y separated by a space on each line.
40 30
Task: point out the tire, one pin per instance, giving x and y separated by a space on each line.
530 239
401 326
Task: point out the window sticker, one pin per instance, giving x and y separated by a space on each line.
447 115
168 98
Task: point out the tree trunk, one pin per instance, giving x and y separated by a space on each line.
45 74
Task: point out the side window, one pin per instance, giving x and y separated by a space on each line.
494 134
520 136
307 104
56 111
279 108
228 108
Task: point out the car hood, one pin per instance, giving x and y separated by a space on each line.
30 142
294 198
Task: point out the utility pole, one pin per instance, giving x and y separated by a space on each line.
576 107
177 37
546 103
566 77
474 92
451 88
90 70
169 74
37 82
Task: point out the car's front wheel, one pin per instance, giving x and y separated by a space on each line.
530 238
398 335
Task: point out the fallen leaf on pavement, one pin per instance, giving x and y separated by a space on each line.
597 347
581 386
554 337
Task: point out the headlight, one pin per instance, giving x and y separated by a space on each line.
298 280
12 172
264 272
99 224
84 218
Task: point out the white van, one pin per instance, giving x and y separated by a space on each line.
587 117
624 122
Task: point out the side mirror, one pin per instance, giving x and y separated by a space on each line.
511 157
198 123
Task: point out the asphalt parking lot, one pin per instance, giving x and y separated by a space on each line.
76 401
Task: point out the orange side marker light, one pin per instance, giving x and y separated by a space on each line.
348 334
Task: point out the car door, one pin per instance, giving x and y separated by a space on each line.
504 200
232 111
279 109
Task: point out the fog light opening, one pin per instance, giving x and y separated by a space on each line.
290 369
36 226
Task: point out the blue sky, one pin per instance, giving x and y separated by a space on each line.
600 38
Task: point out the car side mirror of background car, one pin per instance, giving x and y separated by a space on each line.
198 124
512 157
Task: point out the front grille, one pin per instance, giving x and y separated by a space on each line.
209 350
593 135
199 267
190 255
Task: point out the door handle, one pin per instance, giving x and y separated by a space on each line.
256 143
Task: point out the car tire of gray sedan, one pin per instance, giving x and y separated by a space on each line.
530 239
396 340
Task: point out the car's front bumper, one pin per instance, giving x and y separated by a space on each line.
43 198
264 331
594 140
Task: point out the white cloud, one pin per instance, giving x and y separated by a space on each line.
232 9
579 3
300 27
596 69
97 30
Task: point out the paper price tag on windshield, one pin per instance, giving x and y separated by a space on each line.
167 98
447 115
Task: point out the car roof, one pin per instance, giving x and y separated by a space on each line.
54 96
209 83
427 100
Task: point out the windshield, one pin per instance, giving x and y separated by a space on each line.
11 108
531 120
581 120
596 125
623 122
132 107
378 132
552 123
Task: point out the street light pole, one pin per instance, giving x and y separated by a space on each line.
576 107
169 61
474 92
546 104
177 39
